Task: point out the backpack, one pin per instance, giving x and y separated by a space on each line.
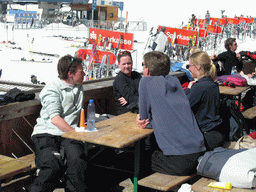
234 124
235 79
237 166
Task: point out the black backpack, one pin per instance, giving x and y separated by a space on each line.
234 124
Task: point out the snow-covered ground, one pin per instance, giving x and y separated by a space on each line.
47 40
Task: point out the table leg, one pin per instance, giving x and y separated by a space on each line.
239 100
86 151
136 165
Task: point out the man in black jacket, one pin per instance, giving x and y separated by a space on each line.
229 58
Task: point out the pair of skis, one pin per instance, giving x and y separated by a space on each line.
105 60
94 49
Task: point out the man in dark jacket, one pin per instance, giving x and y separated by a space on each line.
229 58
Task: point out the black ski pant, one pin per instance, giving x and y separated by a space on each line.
175 164
51 165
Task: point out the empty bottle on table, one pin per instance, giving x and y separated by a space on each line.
91 115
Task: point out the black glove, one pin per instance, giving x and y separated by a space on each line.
17 95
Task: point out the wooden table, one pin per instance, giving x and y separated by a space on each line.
10 167
233 92
118 132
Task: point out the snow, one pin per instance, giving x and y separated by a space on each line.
48 40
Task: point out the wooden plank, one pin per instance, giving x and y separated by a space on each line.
250 113
117 132
4 158
10 168
19 109
163 182
225 90
30 159
202 186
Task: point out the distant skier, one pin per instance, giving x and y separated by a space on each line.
207 17
160 41
192 21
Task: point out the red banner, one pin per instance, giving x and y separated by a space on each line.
233 21
126 41
182 35
82 53
243 19
202 33
201 21
211 29
220 21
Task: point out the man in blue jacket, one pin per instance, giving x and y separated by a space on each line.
163 106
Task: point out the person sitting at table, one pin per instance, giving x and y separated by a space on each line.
164 106
248 99
204 98
126 83
61 106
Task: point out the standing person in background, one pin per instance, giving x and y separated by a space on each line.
165 108
207 17
204 99
160 41
229 58
192 22
62 102
126 83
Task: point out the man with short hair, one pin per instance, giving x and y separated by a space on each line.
164 106
229 58
62 102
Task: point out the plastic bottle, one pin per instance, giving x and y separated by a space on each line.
91 115
233 71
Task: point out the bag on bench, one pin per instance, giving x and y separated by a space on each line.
237 166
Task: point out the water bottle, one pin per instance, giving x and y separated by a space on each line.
233 71
91 115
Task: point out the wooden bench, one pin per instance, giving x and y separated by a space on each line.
29 158
250 113
164 182
16 173
202 186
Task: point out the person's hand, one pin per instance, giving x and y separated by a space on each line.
241 73
191 83
214 56
249 75
142 123
122 101
238 56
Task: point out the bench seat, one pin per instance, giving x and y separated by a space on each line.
29 158
15 174
164 182
250 113
202 186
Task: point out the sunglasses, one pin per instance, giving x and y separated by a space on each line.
72 61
